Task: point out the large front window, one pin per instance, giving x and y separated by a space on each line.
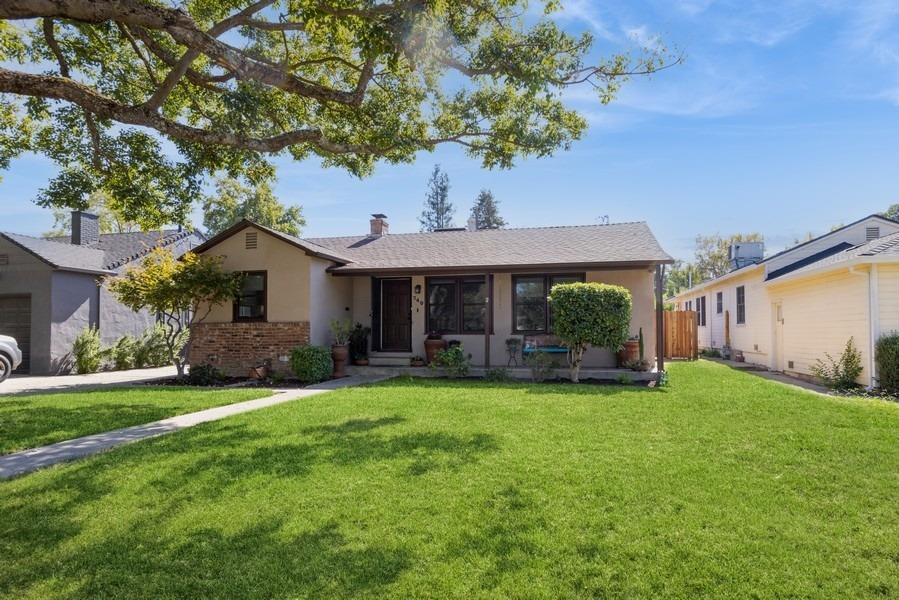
250 303
531 311
457 305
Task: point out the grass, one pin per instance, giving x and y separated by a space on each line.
31 420
722 484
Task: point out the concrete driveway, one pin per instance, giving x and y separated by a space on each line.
18 384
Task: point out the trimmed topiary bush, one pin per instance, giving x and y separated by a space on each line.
886 353
311 364
590 314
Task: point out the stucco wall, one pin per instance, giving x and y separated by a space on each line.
288 275
330 298
75 305
26 275
820 315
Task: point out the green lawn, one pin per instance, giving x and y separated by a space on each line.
31 420
722 484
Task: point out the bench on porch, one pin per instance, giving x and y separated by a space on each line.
549 344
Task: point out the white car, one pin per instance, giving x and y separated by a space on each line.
10 356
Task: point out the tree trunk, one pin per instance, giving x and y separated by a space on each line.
577 356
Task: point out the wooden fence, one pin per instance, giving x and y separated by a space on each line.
681 336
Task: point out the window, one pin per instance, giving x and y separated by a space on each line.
741 305
689 305
700 311
457 305
530 308
250 303
719 303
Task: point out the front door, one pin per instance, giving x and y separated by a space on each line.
396 315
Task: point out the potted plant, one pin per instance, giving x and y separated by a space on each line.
629 352
417 361
434 343
340 350
359 344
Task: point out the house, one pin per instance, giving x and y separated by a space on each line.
786 311
478 287
51 288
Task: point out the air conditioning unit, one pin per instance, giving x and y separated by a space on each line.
746 253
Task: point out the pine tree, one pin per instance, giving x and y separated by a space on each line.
486 212
438 212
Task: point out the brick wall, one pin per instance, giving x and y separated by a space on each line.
234 348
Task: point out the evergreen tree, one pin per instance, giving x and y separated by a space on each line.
438 212
234 201
486 212
892 212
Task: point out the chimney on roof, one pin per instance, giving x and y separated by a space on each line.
379 225
85 228
472 223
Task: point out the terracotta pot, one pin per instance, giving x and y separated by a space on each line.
259 372
630 352
339 354
432 347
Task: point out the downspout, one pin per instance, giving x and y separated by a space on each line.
660 319
488 329
873 319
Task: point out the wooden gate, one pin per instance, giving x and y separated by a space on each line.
681 336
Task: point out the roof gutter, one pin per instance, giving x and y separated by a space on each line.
847 264
726 277
505 268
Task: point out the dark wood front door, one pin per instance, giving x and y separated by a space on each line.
396 315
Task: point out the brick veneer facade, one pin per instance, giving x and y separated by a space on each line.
234 348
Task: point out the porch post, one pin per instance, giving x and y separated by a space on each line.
488 328
660 318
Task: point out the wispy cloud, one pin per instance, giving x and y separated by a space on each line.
586 12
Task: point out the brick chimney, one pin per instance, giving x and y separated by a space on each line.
379 225
85 228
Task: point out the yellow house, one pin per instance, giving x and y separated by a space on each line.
786 311
479 287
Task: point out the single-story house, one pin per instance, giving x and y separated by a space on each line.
51 288
786 311
480 287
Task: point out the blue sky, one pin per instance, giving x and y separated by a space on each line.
784 119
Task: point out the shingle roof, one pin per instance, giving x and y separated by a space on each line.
621 243
887 246
110 252
305 245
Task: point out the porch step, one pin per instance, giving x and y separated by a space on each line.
389 360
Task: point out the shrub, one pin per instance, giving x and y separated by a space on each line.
498 375
87 352
123 353
311 364
840 374
886 353
452 360
710 353
359 342
204 375
341 330
541 364
152 351
592 314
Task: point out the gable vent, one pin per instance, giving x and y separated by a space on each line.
252 241
872 233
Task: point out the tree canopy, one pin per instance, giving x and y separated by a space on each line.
145 99
892 212
98 203
234 201
438 211
486 212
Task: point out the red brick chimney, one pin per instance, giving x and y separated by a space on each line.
379 225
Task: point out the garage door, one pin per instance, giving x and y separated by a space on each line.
15 320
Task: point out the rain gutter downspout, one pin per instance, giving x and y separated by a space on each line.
873 319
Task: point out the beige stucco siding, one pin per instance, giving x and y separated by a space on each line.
288 275
819 316
888 301
330 298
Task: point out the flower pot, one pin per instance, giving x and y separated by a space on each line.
432 347
417 363
260 372
630 352
339 354
361 362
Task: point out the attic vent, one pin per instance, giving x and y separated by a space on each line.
252 242
872 233
4 259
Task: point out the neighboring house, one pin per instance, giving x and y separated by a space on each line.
51 289
786 311
479 287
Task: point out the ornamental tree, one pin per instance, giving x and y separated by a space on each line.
590 314
182 292
145 99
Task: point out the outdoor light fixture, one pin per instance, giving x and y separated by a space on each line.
418 288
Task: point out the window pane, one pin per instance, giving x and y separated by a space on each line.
251 302
530 288
442 307
474 292
564 279
474 318
530 317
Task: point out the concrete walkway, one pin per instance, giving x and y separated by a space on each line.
18 384
26 461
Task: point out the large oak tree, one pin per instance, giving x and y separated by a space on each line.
144 99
